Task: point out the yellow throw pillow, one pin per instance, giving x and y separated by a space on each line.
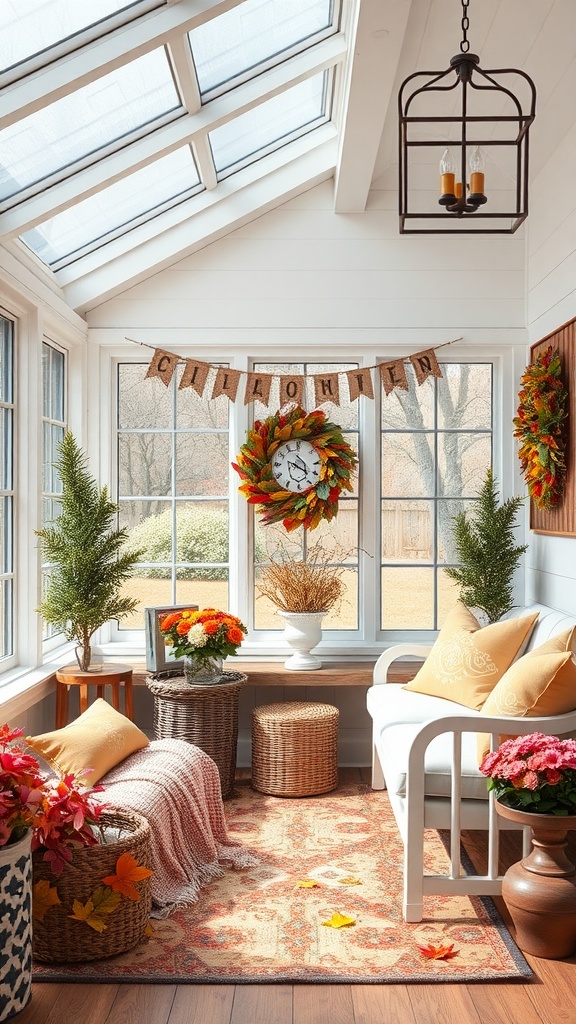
99 739
467 660
543 682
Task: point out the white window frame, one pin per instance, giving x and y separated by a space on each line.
369 640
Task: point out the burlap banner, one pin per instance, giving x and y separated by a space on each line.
292 387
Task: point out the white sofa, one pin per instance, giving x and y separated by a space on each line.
424 753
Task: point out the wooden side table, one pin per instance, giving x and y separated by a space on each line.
102 675
206 715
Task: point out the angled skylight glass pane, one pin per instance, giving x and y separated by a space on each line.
115 209
253 33
28 27
80 124
269 125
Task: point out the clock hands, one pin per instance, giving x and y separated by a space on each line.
297 469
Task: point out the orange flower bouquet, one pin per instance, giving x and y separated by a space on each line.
203 638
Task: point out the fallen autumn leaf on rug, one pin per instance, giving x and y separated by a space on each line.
264 924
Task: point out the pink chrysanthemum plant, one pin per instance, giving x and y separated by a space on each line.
534 773
61 813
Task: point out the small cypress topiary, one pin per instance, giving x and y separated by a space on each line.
484 539
85 552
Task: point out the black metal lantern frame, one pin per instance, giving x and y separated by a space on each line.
472 131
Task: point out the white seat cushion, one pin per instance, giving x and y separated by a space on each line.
390 703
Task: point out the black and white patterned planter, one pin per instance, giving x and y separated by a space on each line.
15 927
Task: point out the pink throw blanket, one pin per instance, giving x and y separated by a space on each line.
176 787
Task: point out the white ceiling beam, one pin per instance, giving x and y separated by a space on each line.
184 230
375 48
185 71
166 139
96 59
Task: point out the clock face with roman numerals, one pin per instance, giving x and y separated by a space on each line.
296 466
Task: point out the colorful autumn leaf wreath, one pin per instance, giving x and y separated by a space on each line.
307 509
539 426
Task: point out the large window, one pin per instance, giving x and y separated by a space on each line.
436 447
423 456
6 487
53 427
173 466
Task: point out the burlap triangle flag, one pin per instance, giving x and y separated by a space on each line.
291 390
425 365
163 365
359 383
326 388
195 376
393 375
226 383
258 388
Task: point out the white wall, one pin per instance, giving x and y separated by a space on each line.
551 561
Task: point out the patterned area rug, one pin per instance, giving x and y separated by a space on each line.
260 925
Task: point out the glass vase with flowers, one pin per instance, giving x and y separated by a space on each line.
203 639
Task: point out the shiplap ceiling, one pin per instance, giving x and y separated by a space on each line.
371 46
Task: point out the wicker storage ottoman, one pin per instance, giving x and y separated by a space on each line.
204 715
295 748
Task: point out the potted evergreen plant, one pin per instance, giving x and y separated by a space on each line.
87 555
488 556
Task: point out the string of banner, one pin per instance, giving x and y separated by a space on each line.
392 375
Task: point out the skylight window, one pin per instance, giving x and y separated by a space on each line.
31 27
257 32
115 209
269 125
98 115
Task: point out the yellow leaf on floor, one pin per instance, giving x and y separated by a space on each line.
308 883
339 920
350 880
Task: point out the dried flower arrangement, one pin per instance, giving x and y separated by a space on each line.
295 585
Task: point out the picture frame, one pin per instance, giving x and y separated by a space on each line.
157 654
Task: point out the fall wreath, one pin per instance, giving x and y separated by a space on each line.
539 427
312 494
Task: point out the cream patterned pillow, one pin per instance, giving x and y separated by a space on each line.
467 660
543 682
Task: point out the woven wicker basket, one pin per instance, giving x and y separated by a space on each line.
295 748
59 939
204 715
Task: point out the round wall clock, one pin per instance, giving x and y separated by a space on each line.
294 466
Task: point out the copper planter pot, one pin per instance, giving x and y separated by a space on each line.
540 890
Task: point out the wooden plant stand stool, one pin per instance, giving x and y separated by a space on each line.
295 748
102 675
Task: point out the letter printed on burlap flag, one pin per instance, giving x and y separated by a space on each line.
258 388
291 390
326 388
393 375
163 365
425 365
226 383
195 376
360 383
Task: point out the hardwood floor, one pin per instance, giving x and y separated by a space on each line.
549 997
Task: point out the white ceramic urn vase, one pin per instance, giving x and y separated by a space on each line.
302 632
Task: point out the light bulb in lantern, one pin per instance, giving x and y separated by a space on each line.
476 163
446 176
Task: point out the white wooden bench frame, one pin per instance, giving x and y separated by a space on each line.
415 812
